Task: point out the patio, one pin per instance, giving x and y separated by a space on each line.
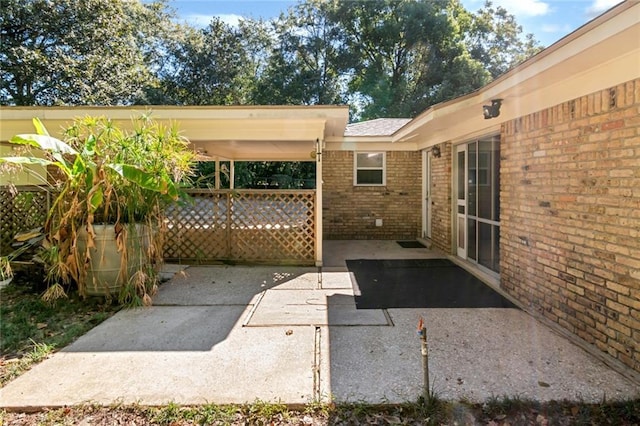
232 334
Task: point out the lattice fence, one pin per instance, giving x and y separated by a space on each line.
243 226
21 209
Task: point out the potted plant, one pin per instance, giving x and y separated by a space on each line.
103 230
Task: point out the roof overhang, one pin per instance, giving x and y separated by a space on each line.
272 133
603 53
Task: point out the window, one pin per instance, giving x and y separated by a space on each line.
370 168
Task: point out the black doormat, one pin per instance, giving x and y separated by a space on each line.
410 244
420 283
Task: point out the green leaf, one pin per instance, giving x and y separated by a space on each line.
78 166
26 160
96 199
38 161
46 143
90 146
145 180
88 178
40 129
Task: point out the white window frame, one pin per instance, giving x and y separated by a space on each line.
383 168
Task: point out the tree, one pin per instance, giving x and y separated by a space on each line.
205 67
307 59
494 38
408 51
411 54
78 51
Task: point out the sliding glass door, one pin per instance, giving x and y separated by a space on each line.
478 189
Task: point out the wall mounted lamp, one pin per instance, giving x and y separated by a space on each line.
493 110
435 151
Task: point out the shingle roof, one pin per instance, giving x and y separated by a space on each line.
377 127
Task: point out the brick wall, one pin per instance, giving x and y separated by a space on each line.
441 181
570 217
349 212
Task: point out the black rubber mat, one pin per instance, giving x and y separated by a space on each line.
420 283
410 244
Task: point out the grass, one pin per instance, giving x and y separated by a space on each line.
558 412
30 329
498 411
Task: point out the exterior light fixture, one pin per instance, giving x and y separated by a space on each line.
435 151
493 110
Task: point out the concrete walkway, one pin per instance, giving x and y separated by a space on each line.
223 334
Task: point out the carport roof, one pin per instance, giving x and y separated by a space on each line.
224 132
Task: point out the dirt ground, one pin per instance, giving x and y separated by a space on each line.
510 413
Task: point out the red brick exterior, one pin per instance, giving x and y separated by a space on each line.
570 217
349 212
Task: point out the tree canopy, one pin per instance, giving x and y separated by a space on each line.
71 52
386 58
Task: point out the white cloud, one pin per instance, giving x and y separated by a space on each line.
231 19
524 8
201 20
599 6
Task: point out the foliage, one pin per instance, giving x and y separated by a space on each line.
258 174
5 268
387 58
106 174
493 37
74 52
410 54
205 67
31 329
307 60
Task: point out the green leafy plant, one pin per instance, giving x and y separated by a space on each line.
6 272
106 174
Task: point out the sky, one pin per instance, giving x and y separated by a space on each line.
548 20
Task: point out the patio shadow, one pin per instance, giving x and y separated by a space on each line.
194 311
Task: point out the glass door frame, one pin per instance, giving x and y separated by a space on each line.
427 204
461 202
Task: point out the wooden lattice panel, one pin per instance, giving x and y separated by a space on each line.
196 231
22 209
273 227
243 226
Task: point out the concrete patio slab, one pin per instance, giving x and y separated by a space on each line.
229 285
192 347
335 252
312 307
169 270
336 278
474 354
121 362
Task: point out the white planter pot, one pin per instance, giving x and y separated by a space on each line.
105 274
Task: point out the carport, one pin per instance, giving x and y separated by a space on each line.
236 225
253 225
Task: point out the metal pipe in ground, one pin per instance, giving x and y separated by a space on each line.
422 332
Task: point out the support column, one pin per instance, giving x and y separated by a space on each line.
217 172
232 174
318 204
